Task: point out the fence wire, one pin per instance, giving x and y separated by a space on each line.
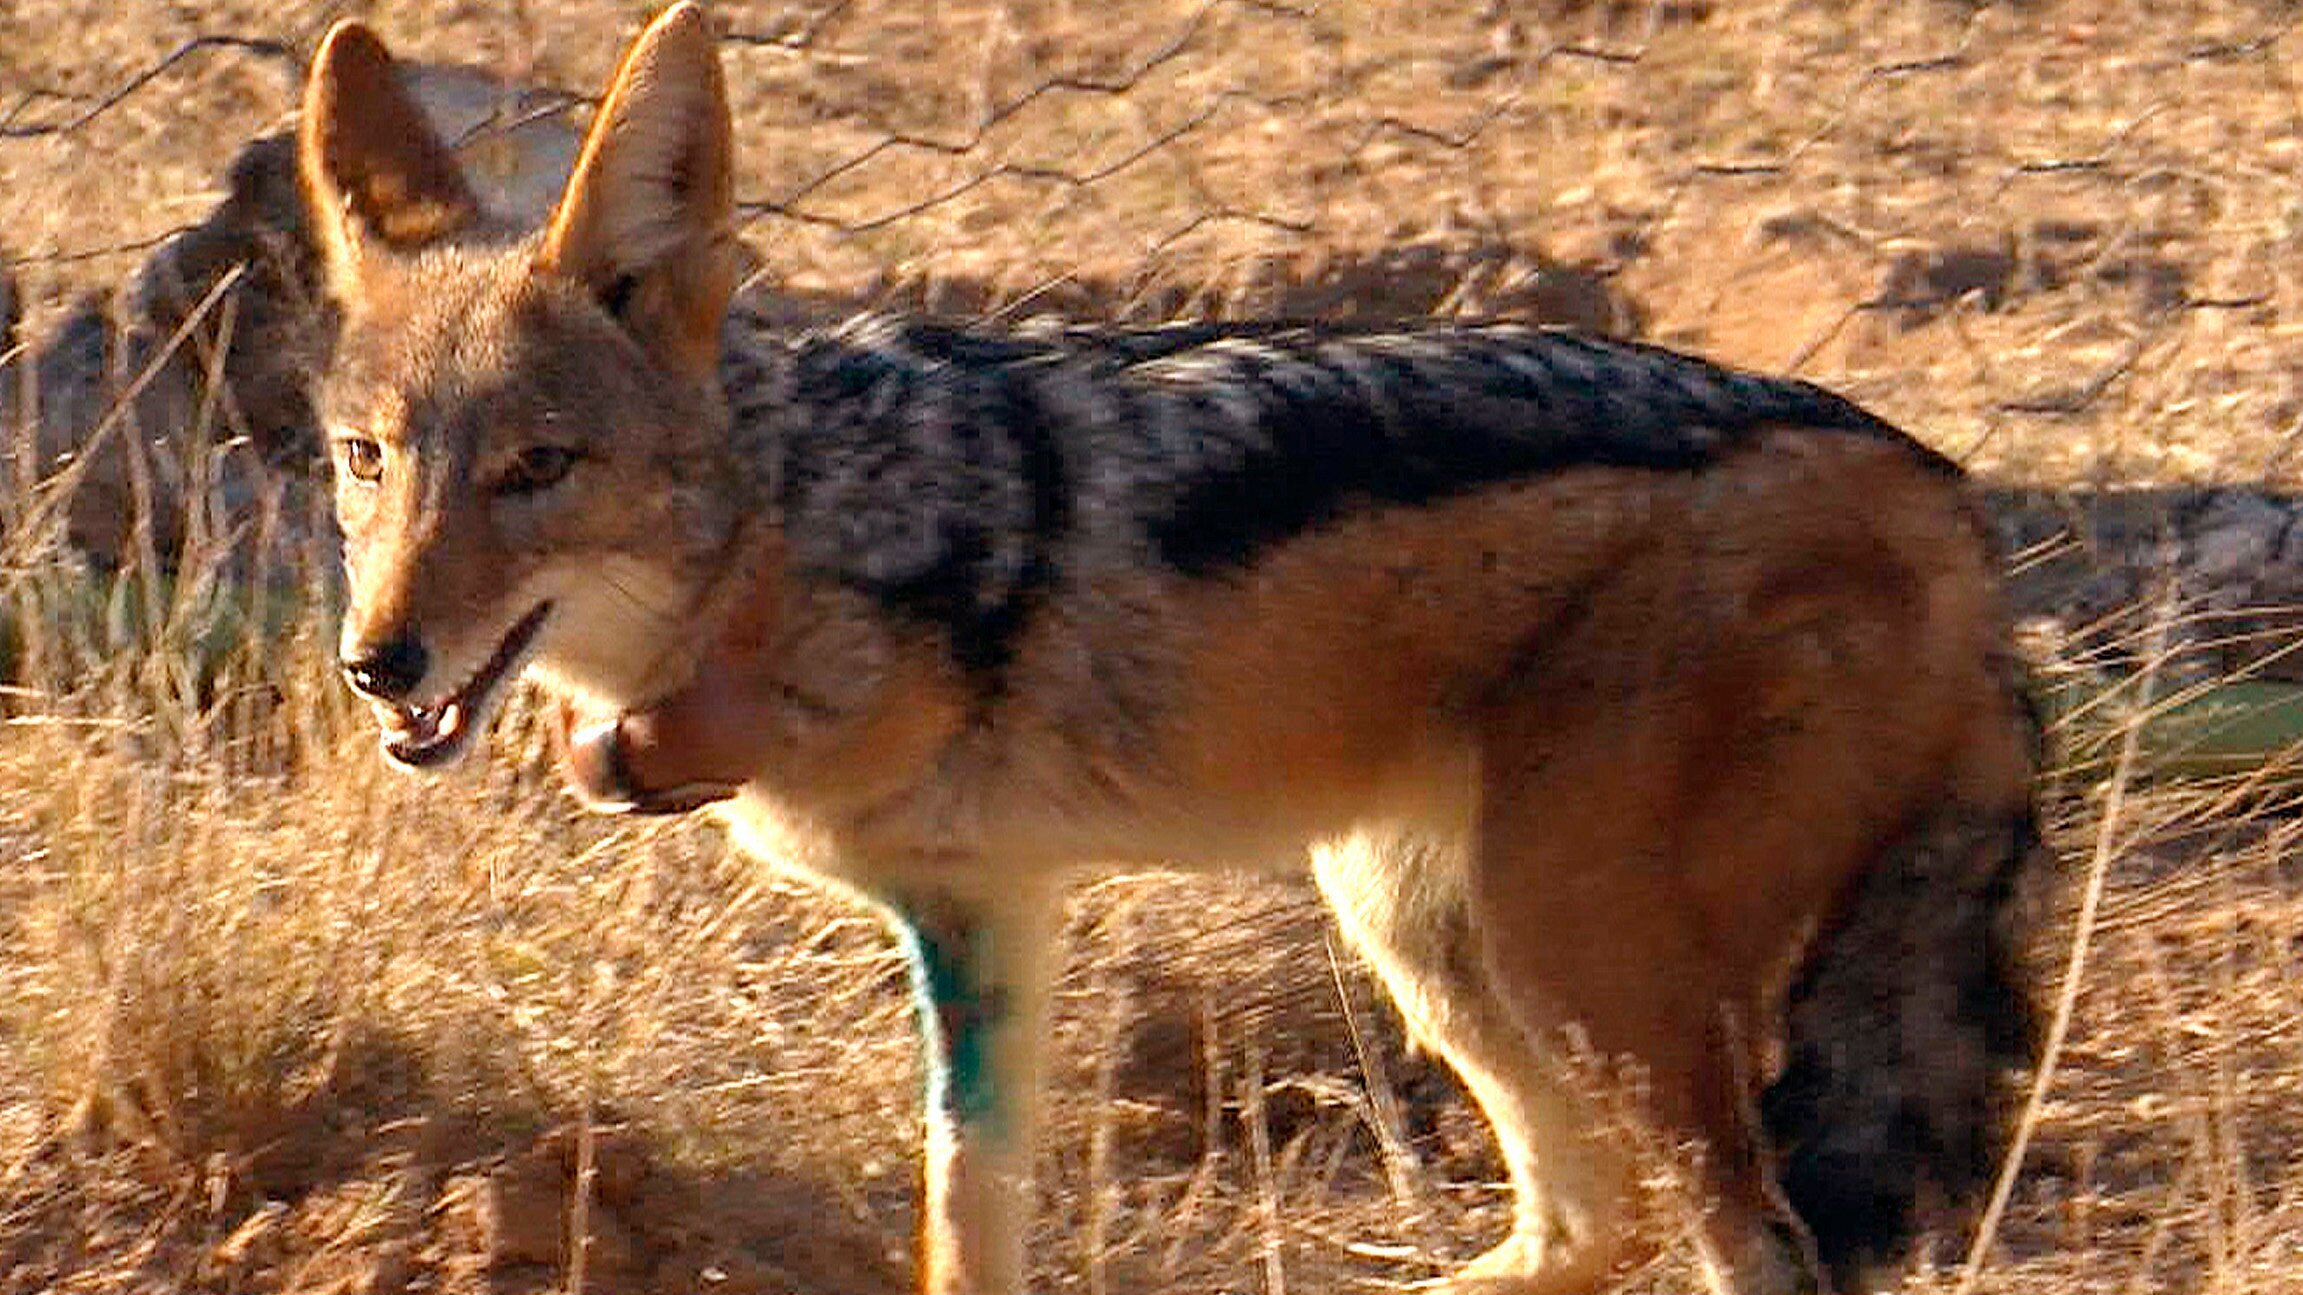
2062 240
2058 240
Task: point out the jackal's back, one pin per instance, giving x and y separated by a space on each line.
949 471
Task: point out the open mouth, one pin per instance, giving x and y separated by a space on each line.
421 736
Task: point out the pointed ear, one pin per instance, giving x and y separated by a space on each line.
645 224
373 172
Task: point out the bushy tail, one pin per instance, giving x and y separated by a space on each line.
1903 1027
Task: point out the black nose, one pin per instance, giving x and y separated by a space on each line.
387 671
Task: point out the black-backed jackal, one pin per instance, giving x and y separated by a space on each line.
1613 696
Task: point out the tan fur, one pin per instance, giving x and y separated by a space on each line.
652 192
1777 677
1599 758
374 171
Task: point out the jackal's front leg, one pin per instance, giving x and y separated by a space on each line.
980 975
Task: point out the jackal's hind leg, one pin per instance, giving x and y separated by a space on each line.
1611 903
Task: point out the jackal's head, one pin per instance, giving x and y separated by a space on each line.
528 438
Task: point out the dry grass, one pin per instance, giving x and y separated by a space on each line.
276 1020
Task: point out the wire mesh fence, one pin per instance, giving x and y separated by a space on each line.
2056 240
2050 237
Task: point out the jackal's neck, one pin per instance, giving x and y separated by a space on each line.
898 468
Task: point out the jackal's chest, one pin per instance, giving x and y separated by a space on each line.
985 818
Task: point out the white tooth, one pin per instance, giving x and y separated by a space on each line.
595 734
451 719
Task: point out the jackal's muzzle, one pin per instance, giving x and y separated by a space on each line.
421 733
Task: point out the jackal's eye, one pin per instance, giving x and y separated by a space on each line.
362 459
538 467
